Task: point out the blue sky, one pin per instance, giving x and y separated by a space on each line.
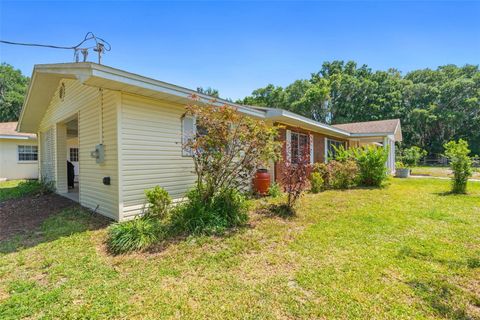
237 47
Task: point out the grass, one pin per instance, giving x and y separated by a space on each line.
405 251
440 172
13 189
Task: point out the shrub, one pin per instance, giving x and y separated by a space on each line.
461 164
227 209
411 156
400 165
343 154
228 148
159 200
371 162
316 182
338 175
137 234
274 190
295 179
343 175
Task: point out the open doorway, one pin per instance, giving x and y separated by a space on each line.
73 166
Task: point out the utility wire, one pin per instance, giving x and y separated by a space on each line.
101 45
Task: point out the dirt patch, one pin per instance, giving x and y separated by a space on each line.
24 215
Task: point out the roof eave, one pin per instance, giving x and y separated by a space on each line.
282 115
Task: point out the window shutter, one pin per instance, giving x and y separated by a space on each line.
311 148
288 145
188 133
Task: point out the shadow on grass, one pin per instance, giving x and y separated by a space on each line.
69 221
440 296
449 193
21 189
280 210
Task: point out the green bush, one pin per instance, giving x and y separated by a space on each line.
137 234
371 162
159 200
337 174
412 156
343 175
274 190
461 164
400 165
343 154
227 209
316 182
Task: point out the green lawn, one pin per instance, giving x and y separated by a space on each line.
440 172
18 188
407 251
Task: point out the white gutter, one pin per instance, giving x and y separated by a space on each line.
16 137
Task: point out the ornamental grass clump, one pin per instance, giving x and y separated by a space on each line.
137 234
141 232
227 209
461 164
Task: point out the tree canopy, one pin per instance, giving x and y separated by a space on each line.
434 106
13 87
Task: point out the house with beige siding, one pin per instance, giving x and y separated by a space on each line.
128 131
18 153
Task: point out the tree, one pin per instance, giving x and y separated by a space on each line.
13 87
228 148
434 106
461 164
209 92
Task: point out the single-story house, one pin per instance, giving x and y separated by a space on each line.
129 130
18 153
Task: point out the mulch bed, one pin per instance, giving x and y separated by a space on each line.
27 214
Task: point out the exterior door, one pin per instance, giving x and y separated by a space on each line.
73 158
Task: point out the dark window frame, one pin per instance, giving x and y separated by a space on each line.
27 153
299 142
75 154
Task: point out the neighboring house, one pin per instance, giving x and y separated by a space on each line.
18 153
129 131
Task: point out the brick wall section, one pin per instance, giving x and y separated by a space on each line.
318 148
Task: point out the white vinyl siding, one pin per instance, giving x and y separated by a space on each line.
47 155
94 123
151 151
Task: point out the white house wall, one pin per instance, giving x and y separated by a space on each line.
151 151
10 167
95 125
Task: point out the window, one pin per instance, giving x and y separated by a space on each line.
74 154
299 146
190 130
27 153
330 147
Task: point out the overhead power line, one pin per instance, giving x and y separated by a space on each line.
100 46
